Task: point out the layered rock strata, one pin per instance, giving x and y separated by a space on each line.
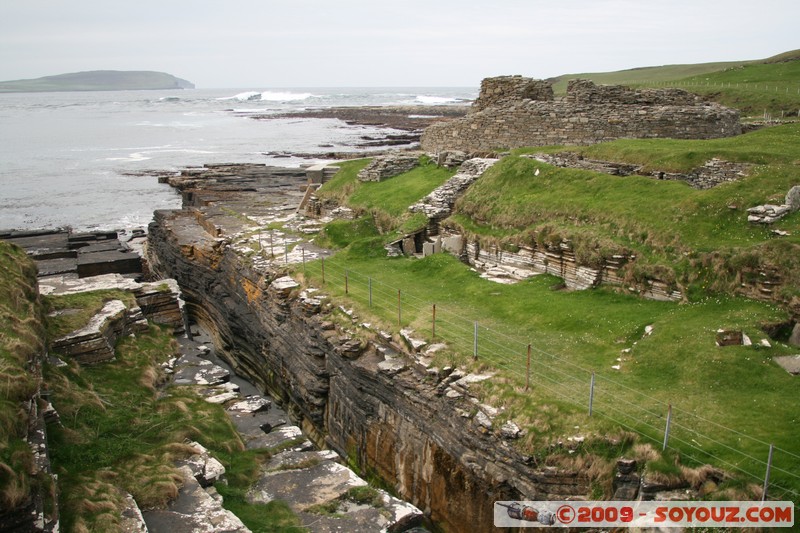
513 111
369 403
95 342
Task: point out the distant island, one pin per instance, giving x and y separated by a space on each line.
98 80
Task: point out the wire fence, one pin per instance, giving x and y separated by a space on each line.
667 426
791 90
788 88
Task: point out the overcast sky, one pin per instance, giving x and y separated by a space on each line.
311 43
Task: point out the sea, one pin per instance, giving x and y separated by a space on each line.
80 159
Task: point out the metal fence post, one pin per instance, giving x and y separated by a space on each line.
591 394
433 323
323 270
666 430
399 311
475 341
766 477
369 282
528 370
346 283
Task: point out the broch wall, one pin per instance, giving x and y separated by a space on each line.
513 111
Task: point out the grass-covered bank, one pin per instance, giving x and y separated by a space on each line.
697 239
121 429
759 88
21 346
728 403
575 333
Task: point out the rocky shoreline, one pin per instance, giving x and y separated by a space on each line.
405 125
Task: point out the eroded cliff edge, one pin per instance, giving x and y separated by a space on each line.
395 423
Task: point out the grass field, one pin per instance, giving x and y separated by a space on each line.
728 404
758 88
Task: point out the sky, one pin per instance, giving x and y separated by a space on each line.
373 43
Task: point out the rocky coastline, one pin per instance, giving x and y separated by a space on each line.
372 402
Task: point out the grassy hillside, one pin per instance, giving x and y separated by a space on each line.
97 80
701 238
769 86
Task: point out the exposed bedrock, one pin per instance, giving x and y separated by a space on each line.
395 424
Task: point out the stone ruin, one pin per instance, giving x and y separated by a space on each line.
513 111
388 166
769 213
713 172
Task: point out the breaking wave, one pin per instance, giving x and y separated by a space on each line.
269 96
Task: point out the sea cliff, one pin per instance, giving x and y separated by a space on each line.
395 422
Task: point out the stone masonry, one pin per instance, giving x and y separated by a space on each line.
513 111
388 166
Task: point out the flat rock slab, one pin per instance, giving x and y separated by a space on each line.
191 369
291 460
790 363
254 404
305 487
57 266
194 511
277 437
59 285
108 262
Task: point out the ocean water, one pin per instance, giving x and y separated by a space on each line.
71 158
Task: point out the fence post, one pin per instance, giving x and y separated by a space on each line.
433 323
346 283
272 244
528 370
323 269
369 283
475 341
766 477
304 258
666 431
591 394
399 311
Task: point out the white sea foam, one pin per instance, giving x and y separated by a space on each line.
243 97
136 156
270 96
435 100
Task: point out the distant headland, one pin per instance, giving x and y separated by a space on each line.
98 80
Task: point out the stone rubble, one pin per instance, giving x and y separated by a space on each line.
769 213
713 172
388 166
439 203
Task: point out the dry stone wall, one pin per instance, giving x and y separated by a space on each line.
512 112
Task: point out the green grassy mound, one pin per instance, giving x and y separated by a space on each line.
728 403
